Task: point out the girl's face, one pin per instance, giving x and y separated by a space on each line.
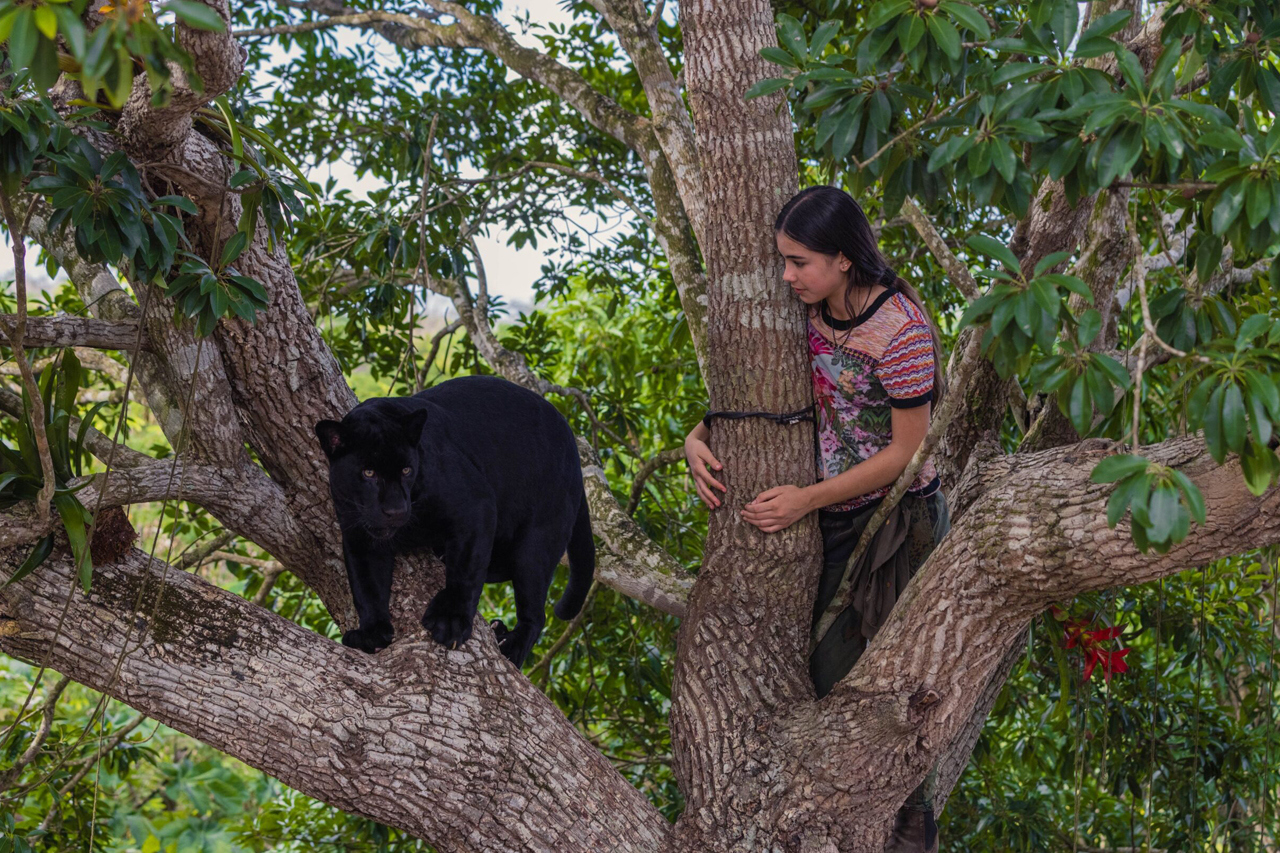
812 275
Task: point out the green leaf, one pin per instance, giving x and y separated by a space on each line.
46 21
234 246
766 87
1263 388
1250 329
1063 21
1045 295
1080 407
1213 425
979 159
1023 312
72 29
910 30
85 423
1100 390
949 151
1070 283
43 548
1002 315
1123 495
1118 467
947 37
1191 492
1138 505
1049 261
1227 207
70 381
1005 161
846 132
22 40
1233 426
1115 370
1220 137
74 517
183 203
1208 256
1090 325
1259 465
1108 24
778 56
196 15
1163 510
8 16
1090 47
822 37
969 17
118 94
1131 69
1119 154
995 249
1259 418
881 111
885 11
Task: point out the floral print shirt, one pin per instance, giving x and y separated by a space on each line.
884 361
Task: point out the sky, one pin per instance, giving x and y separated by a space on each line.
511 272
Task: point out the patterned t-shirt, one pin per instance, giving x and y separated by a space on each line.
884 362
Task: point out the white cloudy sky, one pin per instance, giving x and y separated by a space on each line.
511 272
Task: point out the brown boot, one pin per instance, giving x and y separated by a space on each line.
914 831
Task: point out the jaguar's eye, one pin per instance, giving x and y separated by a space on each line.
368 472
407 471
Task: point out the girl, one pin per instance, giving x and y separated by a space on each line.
873 353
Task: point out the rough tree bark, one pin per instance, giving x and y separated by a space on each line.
457 747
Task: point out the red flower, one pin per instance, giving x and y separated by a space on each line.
1112 662
1092 645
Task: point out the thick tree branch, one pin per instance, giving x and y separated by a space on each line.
401 737
643 570
218 61
1038 534
79 332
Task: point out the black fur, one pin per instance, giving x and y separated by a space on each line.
493 486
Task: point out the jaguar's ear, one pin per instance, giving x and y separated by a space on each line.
413 426
330 435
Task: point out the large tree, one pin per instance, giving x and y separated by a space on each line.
1114 150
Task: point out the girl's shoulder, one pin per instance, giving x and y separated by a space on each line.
905 309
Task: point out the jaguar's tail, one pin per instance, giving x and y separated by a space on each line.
582 564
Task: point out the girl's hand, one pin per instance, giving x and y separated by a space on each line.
777 508
698 455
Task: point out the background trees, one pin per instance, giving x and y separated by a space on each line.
1137 140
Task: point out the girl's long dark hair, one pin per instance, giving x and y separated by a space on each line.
827 220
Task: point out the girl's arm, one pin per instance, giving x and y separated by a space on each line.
782 506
